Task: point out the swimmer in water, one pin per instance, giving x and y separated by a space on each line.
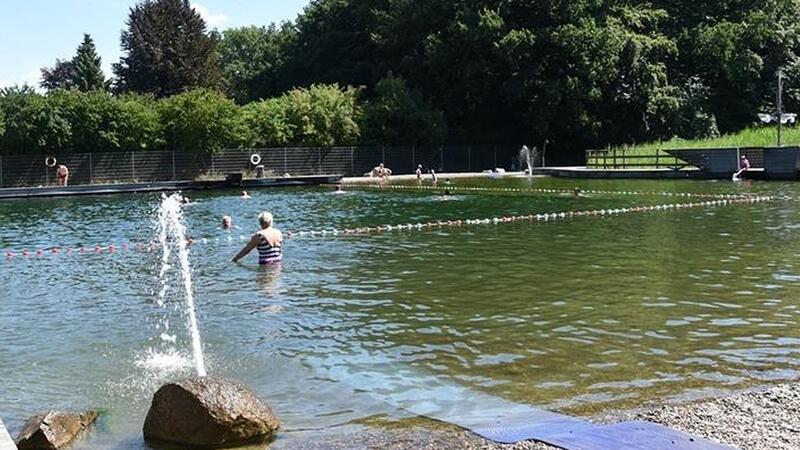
576 192
446 192
268 241
245 194
339 189
227 222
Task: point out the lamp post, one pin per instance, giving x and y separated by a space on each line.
544 152
779 116
779 104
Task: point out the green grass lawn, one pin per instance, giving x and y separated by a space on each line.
646 153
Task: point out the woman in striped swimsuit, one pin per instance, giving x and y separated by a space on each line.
268 241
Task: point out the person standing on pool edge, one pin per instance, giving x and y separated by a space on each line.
62 172
268 241
744 166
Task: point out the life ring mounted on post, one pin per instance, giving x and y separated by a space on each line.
50 161
255 159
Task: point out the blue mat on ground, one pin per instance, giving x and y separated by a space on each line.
507 422
635 435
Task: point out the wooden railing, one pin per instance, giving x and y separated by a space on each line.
620 159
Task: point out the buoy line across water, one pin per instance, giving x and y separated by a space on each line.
545 191
543 217
374 230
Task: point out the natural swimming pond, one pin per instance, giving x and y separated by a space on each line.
580 315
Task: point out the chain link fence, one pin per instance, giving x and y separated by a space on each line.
154 166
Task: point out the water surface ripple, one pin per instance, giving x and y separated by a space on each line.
579 315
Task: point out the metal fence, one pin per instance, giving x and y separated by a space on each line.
622 159
668 158
152 166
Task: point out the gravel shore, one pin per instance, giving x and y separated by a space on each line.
757 419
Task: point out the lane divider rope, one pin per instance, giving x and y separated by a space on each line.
452 223
529 217
439 188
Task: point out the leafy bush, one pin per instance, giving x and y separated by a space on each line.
201 120
323 115
267 123
32 123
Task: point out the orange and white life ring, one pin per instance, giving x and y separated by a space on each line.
50 161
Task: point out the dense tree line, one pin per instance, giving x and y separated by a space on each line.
198 120
578 73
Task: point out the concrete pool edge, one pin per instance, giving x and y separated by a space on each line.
6 443
162 186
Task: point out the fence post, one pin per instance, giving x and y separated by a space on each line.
1 171
212 164
469 158
174 176
91 177
133 168
658 152
319 161
494 152
441 159
352 163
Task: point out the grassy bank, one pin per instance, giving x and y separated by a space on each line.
751 137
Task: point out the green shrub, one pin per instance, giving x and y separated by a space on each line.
201 120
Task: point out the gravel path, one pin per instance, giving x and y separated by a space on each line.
754 420
759 419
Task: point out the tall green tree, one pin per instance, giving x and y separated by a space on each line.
399 115
83 72
2 123
254 61
166 50
57 77
87 73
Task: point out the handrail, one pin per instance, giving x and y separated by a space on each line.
618 159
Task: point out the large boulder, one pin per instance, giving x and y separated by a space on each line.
209 412
54 429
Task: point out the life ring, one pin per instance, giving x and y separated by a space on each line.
50 161
255 159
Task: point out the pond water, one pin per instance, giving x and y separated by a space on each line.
578 315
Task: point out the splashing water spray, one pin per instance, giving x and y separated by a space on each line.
525 155
172 235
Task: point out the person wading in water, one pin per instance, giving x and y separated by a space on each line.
268 241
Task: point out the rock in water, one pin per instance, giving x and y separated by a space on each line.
54 429
209 412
